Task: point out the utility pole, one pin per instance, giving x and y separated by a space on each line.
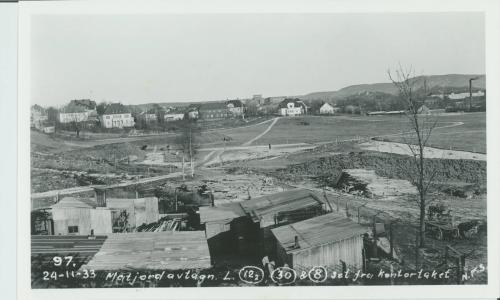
183 174
470 92
191 150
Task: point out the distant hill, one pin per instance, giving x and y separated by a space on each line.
434 82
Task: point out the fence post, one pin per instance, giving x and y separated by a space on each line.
461 267
363 256
459 271
344 269
391 244
416 249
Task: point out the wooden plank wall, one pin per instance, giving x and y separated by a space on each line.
151 213
348 250
101 221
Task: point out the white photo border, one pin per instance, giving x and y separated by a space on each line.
27 9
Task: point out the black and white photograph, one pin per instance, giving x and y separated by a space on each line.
256 149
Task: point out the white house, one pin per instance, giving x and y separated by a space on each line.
78 111
424 110
68 117
457 96
193 114
326 109
235 107
169 117
292 107
38 116
116 115
147 117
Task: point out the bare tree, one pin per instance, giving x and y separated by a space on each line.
421 125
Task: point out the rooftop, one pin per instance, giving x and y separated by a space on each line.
72 202
213 105
265 207
318 231
168 250
235 103
54 244
221 213
116 108
270 205
87 103
73 108
296 101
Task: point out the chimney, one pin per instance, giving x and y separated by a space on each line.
296 245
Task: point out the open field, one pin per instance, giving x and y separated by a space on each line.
450 132
307 152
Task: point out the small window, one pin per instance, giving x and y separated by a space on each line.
72 229
107 117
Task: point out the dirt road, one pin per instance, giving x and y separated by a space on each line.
216 153
275 120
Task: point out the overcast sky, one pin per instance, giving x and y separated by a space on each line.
170 58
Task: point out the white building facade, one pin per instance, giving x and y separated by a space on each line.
117 120
292 109
173 117
326 109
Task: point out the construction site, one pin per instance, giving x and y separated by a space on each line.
344 205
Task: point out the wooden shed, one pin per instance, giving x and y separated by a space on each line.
245 226
81 216
325 240
141 210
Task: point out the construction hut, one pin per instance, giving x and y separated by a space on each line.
83 216
167 250
330 240
139 211
80 216
218 222
244 227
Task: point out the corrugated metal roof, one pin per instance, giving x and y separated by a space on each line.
270 205
322 230
72 202
261 207
221 213
166 250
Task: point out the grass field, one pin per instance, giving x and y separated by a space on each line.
469 136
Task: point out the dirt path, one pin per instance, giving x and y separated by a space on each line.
275 120
217 152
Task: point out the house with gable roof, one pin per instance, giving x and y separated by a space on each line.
116 115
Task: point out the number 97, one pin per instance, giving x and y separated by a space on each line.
58 261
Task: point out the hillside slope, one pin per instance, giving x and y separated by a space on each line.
458 81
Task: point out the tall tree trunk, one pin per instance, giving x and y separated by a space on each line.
421 183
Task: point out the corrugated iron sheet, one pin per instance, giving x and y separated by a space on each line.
325 229
168 250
